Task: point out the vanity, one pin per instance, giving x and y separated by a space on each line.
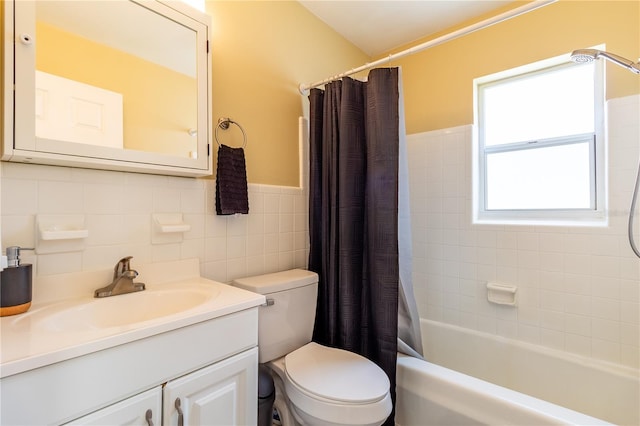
183 351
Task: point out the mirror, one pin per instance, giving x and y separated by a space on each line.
119 85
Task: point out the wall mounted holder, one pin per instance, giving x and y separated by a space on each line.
168 228
60 233
501 294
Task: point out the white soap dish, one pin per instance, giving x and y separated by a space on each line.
55 233
168 228
501 294
60 233
170 223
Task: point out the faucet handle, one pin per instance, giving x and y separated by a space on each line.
130 273
122 266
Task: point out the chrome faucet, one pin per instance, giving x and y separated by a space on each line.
122 283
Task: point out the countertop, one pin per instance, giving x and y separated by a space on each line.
26 344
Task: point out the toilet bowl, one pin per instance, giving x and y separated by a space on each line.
335 387
315 384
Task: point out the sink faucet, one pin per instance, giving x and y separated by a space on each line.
122 283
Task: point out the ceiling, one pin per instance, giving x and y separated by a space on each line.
378 26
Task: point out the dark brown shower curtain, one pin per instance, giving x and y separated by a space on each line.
353 208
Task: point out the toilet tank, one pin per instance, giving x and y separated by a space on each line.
286 322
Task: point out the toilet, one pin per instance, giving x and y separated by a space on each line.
315 384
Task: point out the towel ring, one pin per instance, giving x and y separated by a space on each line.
223 123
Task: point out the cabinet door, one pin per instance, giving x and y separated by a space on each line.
224 393
143 409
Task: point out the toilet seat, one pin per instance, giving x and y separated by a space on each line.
336 375
328 385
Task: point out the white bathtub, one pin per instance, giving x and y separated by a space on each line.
530 385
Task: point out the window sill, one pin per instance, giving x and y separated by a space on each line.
593 222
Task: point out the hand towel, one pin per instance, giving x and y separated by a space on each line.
231 182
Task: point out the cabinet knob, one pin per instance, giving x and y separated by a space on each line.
180 414
26 39
148 416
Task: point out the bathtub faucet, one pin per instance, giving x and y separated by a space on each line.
122 283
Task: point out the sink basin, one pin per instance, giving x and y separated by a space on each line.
119 311
65 320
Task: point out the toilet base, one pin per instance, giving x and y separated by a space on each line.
289 415
281 403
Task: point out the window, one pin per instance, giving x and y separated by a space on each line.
539 145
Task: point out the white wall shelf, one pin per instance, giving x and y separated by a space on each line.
60 233
168 228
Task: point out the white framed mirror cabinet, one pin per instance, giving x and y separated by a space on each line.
108 84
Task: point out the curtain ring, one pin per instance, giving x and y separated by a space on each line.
223 123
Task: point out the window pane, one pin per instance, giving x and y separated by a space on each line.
555 177
545 105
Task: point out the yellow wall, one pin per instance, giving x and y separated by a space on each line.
438 82
262 50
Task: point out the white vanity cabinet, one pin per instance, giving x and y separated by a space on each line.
211 366
219 395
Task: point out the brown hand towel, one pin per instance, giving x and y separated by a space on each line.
231 182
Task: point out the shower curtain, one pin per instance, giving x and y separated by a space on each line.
354 219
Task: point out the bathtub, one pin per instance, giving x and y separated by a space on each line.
476 378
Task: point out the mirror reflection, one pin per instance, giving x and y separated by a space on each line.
124 75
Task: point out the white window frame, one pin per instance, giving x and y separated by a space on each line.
593 216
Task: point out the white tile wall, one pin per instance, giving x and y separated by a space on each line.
118 208
578 287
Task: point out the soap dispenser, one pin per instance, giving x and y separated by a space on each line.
15 284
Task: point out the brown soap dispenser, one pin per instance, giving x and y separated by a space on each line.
15 284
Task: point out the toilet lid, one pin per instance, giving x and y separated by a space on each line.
336 374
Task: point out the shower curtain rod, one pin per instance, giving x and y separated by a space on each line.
304 88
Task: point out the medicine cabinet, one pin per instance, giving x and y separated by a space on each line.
117 85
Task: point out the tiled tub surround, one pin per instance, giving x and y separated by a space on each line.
578 287
118 209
